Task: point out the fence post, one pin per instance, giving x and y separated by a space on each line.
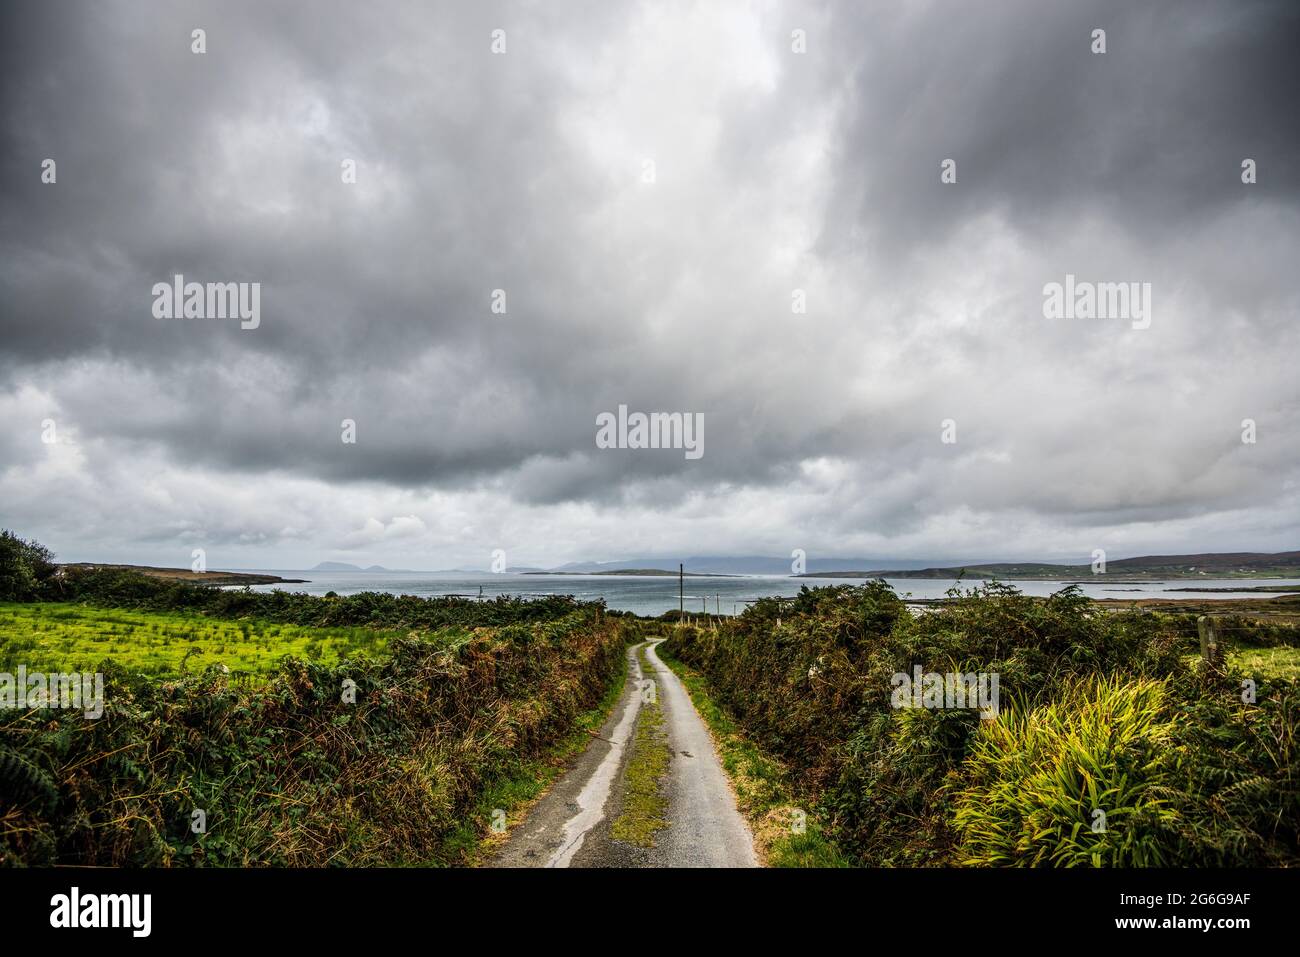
1209 640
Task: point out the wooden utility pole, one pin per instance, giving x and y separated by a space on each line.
681 589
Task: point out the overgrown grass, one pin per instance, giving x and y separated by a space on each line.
1084 779
1282 661
644 805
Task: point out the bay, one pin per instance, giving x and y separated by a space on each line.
654 595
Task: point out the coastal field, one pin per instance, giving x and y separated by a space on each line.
282 729
56 636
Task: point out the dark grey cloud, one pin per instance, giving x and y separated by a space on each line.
775 171
1150 134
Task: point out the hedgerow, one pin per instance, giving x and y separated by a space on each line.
809 680
289 773
122 588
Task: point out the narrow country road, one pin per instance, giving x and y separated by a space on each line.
648 792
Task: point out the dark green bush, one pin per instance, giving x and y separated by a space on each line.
26 568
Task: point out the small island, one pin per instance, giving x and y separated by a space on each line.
189 575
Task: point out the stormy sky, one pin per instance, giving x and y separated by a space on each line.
649 184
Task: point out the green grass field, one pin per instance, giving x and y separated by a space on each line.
65 637
1280 662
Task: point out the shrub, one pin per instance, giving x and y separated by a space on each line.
26 568
1238 776
1080 780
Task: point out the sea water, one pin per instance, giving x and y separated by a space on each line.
653 595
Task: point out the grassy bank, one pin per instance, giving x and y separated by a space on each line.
521 784
1109 712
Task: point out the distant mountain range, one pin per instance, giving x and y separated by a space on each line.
729 565
640 572
348 567
696 565
1149 567
1210 565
